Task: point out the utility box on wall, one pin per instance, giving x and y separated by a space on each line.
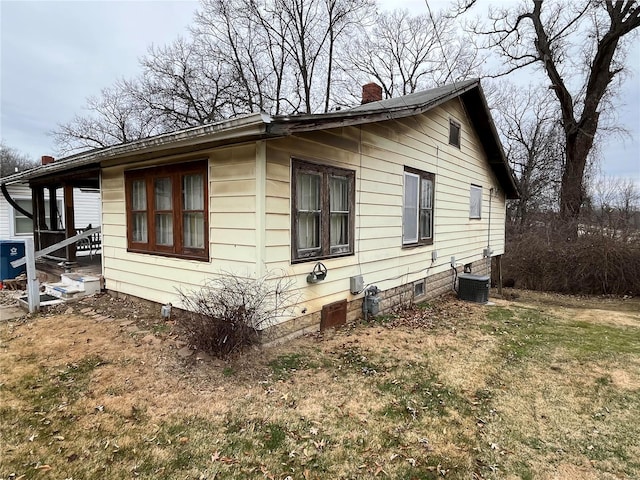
474 288
10 250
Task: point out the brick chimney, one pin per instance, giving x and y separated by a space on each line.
371 92
46 160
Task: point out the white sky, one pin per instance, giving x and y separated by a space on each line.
54 54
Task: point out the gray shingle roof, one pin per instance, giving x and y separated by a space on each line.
422 98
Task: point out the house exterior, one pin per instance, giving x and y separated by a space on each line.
14 225
383 194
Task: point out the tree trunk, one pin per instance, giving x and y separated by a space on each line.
578 145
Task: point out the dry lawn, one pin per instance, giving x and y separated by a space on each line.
542 386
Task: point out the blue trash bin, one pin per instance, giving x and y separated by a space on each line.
10 250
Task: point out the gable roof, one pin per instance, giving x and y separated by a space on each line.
262 126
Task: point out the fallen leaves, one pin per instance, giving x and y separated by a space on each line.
216 457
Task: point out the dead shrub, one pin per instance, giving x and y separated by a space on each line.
230 313
593 263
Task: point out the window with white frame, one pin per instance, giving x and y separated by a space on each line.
475 202
417 207
23 225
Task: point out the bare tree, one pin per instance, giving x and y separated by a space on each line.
238 34
405 53
534 145
282 52
615 206
580 46
183 85
180 86
115 116
12 161
278 56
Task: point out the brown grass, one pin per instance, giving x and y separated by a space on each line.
488 392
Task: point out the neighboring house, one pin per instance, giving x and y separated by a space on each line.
14 225
390 191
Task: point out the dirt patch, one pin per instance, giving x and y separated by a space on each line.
574 472
610 317
625 379
574 302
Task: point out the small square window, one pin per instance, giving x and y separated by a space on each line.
475 202
454 133
418 288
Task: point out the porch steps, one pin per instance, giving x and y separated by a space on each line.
73 285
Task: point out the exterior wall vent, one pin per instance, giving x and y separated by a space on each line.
474 288
333 315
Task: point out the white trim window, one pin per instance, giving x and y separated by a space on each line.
417 207
475 202
23 225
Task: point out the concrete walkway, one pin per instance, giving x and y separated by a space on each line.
9 312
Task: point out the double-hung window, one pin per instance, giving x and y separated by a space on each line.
475 202
417 207
322 211
167 210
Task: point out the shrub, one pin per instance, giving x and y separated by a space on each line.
230 313
596 262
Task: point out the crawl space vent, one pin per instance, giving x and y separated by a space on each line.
333 315
474 288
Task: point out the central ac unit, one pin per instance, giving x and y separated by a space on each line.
474 288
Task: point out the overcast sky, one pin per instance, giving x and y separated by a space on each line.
54 54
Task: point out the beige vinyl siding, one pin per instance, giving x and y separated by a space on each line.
250 210
232 233
420 142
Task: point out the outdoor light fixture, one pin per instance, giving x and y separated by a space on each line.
318 273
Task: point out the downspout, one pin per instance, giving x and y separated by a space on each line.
489 234
12 202
489 228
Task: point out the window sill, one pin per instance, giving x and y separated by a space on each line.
409 246
317 259
200 258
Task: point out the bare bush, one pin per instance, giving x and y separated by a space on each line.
593 263
230 313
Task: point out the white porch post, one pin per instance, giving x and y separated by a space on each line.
33 285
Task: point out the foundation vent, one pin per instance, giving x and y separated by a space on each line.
333 315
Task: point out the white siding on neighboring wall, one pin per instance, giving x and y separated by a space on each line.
379 161
86 206
17 191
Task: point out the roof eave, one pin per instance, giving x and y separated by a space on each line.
234 129
500 165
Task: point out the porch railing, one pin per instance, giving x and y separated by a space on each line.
68 241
